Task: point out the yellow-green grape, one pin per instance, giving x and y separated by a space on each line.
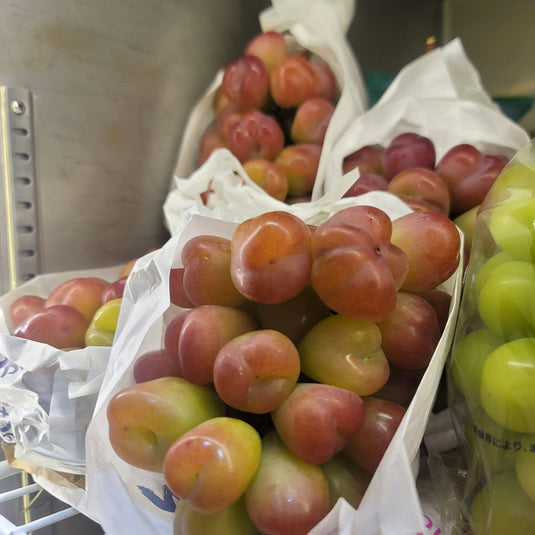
467 359
506 298
108 314
101 331
501 507
513 212
97 336
507 380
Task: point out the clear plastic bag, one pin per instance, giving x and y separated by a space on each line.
491 372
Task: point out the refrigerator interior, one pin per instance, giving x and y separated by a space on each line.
109 85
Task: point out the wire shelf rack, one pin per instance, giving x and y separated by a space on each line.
16 484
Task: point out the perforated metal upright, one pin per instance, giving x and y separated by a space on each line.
19 243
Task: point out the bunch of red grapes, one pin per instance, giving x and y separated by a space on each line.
271 111
408 168
454 185
288 367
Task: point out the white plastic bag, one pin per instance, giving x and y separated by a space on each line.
439 95
235 197
320 27
47 395
122 498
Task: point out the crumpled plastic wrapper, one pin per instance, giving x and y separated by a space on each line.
47 396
